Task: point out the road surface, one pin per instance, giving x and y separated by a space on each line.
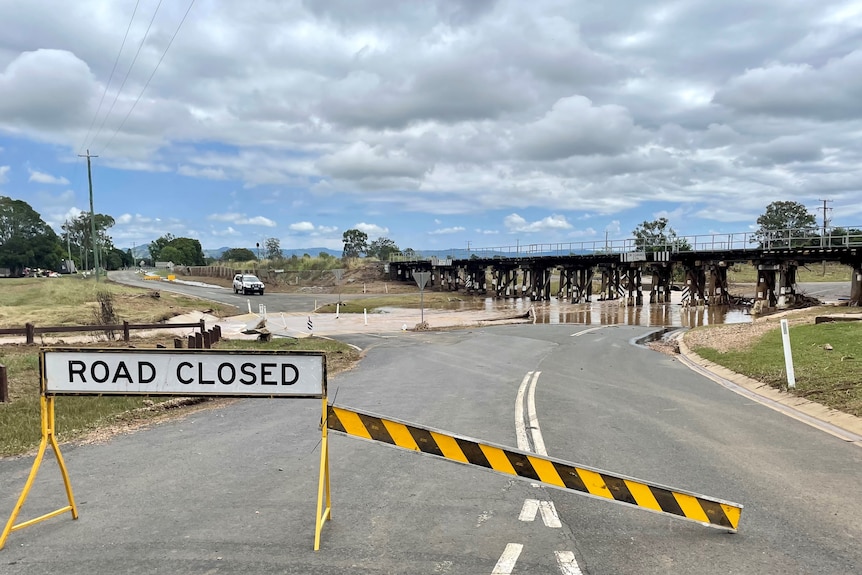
233 489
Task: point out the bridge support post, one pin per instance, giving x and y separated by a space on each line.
717 284
695 285
787 284
856 285
765 297
660 290
566 291
583 291
634 289
610 282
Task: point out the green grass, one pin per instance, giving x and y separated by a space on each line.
430 299
835 272
78 416
71 301
833 378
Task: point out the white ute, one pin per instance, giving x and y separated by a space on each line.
247 284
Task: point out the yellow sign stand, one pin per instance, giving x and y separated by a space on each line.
48 428
324 502
46 402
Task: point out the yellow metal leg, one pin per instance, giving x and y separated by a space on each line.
324 503
46 405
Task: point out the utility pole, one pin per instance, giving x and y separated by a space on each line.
92 215
823 234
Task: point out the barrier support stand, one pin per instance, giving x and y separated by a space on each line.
324 501
48 428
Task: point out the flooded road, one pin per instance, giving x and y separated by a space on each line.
610 312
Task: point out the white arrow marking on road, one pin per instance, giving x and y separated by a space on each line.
549 512
508 559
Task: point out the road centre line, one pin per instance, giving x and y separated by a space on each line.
582 332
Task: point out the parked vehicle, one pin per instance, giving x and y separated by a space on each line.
247 284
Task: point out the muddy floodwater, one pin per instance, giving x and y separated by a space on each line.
611 312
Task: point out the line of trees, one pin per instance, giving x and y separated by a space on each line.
356 245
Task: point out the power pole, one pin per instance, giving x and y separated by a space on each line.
823 234
92 215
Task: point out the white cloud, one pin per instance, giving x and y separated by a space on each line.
373 230
3 171
207 173
613 228
445 231
515 223
242 220
302 227
43 178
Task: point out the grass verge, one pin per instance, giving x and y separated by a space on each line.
80 417
832 377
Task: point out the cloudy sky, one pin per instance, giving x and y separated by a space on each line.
436 124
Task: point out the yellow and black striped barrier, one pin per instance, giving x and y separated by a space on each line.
529 466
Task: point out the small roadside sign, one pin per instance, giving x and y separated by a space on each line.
421 278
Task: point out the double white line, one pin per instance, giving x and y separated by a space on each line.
526 422
529 437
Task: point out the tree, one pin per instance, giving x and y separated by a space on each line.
158 245
272 249
355 243
381 248
657 236
25 239
784 224
77 234
238 255
185 252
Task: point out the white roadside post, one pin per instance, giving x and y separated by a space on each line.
788 356
421 279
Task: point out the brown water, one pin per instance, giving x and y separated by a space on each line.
612 313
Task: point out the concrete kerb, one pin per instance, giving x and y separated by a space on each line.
842 425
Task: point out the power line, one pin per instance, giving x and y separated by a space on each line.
111 77
129 71
159 63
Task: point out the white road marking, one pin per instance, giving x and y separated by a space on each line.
568 564
508 559
549 512
582 332
528 421
524 421
529 510
538 441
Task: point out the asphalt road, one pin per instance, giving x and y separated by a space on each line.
274 302
233 489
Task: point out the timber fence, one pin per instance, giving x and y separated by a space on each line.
29 331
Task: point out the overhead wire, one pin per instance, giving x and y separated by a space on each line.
126 77
159 63
110 78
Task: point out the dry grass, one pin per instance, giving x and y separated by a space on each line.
73 300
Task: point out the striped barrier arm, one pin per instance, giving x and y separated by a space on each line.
600 484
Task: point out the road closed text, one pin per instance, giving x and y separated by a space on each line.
189 374
225 373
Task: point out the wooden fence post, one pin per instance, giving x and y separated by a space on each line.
207 340
199 340
125 330
30 332
191 342
4 385
178 343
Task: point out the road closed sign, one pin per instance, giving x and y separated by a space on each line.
67 371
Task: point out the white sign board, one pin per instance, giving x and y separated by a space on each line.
183 372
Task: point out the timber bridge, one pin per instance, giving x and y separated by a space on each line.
619 267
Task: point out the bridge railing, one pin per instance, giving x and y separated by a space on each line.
835 237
